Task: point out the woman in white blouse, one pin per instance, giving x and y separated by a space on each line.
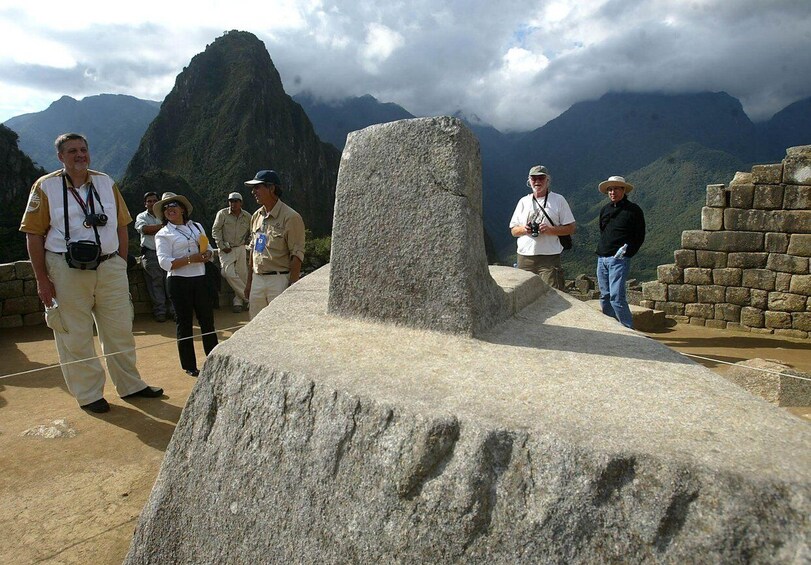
179 254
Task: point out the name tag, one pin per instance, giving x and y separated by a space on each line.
261 243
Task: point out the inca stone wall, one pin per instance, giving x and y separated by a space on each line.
551 435
748 266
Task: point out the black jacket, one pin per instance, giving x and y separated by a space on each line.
621 223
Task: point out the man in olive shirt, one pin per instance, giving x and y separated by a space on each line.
277 243
231 231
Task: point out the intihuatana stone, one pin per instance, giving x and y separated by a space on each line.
549 434
433 163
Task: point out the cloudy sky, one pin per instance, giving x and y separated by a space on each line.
513 63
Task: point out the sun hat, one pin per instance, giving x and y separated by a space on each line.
615 181
264 177
538 170
158 206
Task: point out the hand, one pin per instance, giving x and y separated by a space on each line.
545 229
46 292
205 257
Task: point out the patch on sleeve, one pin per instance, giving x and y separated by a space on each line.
34 200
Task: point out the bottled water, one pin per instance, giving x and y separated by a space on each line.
621 251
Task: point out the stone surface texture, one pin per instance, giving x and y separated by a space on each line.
556 436
425 265
756 238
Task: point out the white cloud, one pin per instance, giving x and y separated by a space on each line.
514 63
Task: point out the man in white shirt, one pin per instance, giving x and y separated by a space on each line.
539 218
147 225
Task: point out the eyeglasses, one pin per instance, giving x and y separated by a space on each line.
614 188
171 205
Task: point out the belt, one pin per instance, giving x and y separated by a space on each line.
274 273
102 258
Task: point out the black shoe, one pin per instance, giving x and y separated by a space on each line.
147 392
100 406
160 318
192 372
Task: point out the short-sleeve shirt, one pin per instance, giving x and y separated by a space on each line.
528 209
283 231
142 220
45 212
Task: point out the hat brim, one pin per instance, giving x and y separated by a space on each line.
606 184
253 182
157 208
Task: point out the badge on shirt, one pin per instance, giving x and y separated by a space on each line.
261 242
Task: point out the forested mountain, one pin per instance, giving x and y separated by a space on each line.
113 124
227 117
17 174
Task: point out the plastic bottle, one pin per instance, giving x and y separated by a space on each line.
621 251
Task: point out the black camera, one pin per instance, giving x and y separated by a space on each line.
533 228
95 220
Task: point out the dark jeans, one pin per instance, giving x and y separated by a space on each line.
190 296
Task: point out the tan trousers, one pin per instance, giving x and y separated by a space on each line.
87 297
235 271
545 266
265 288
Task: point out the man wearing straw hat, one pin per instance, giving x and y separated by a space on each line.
622 232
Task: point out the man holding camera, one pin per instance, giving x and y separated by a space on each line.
539 218
76 231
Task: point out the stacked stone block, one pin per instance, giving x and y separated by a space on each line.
747 268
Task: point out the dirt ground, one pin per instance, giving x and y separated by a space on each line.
75 498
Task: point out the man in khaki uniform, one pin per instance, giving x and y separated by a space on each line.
277 243
231 231
98 295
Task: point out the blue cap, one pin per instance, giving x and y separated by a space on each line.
265 177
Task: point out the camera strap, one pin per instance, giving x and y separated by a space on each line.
82 204
535 201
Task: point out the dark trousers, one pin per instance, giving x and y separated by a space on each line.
189 296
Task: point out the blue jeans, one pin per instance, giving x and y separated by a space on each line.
611 276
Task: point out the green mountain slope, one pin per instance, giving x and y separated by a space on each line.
17 174
113 123
226 118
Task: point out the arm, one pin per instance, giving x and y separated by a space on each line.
36 252
295 246
123 241
216 232
250 275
